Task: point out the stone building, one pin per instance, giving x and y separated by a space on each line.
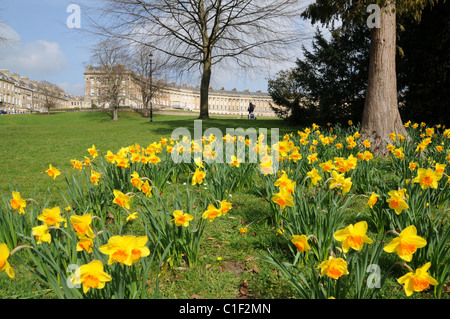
176 96
19 94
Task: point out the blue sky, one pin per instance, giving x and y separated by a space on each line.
42 47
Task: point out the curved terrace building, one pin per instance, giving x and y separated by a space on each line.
176 96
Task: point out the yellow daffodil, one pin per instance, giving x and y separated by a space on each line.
372 200
91 276
86 244
412 166
427 178
211 213
266 165
353 236
147 189
312 158
295 156
283 198
154 159
82 225
366 144
132 216
17 203
417 281
397 201
42 234
76 164
181 218
52 172
126 249
406 243
122 162
333 267
235 162
327 166
121 199
340 182
136 180
314 176
440 168
284 182
367 156
52 217
4 264
301 242
93 151
198 177
225 207
243 230
95 177
110 157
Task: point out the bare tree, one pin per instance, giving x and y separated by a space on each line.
203 33
146 71
49 95
111 56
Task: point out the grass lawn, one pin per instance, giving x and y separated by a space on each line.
30 142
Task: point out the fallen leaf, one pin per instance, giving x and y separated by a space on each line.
194 297
255 269
243 291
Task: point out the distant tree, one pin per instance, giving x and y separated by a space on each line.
329 82
286 93
111 56
49 95
145 73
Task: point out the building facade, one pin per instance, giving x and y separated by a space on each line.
19 94
178 97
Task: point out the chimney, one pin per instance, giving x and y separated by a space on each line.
5 72
25 79
15 76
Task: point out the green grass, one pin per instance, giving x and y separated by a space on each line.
30 142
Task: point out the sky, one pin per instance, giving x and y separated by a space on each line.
41 46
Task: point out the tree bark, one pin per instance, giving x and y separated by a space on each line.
204 90
115 116
381 115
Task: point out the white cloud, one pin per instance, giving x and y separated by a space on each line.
35 59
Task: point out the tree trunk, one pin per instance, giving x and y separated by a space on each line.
381 115
115 117
204 90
